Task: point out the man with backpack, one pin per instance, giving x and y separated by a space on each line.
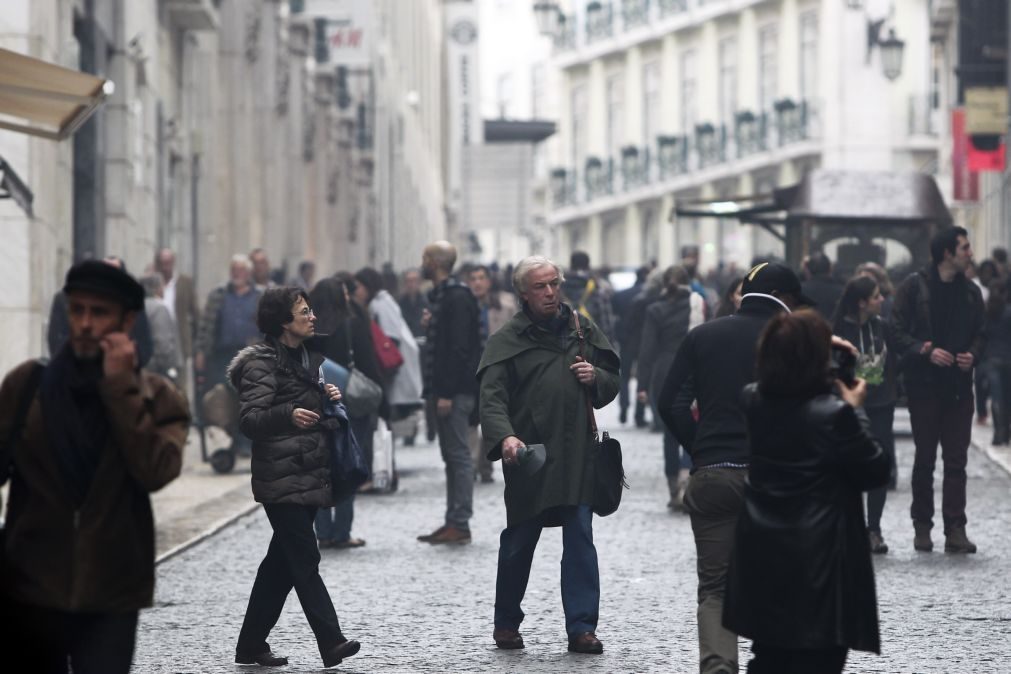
86 438
587 294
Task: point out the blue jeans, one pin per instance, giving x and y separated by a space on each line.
580 576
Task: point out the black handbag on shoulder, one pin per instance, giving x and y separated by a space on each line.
609 474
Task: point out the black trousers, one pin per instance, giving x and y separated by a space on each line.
55 641
292 561
775 660
882 419
950 424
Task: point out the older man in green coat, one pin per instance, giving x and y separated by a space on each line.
535 377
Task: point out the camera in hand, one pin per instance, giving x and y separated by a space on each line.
843 365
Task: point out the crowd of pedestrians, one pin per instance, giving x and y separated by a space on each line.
491 363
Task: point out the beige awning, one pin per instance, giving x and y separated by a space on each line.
43 99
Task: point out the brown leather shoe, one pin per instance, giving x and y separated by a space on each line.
427 538
507 639
265 659
450 536
955 540
587 642
878 545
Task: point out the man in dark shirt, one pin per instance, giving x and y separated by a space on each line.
628 343
938 320
823 290
450 363
715 361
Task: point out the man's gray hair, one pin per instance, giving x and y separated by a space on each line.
529 264
243 260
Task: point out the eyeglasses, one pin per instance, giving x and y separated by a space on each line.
307 312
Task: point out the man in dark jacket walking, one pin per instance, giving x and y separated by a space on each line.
539 376
628 343
87 437
823 290
712 366
587 294
451 356
938 319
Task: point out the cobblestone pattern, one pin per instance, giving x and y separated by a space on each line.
418 608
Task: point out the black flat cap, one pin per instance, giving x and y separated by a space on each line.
102 278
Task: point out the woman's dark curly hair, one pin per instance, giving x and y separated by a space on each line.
274 309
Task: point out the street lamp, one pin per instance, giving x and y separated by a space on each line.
891 55
547 14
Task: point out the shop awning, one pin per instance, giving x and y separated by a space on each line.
43 99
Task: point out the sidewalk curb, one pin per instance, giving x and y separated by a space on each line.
1001 456
206 533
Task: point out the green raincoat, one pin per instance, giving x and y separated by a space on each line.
528 391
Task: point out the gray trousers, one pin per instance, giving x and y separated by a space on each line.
714 498
453 441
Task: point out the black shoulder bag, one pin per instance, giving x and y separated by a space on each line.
608 474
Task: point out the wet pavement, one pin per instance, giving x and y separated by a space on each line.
418 608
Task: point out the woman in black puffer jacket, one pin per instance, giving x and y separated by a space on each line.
281 410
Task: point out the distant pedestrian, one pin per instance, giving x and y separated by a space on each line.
281 403
587 294
451 357
306 275
879 274
801 583
261 269
997 357
938 321
413 302
821 286
343 336
730 302
714 363
228 323
528 397
166 358
627 342
668 322
97 435
180 297
858 321
497 308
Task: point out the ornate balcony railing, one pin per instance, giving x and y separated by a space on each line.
669 7
599 21
634 13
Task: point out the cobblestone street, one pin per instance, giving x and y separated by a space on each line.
416 607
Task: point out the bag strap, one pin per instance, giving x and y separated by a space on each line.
21 415
582 354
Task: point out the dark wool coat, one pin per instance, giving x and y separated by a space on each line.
800 573
290 464
528 391
98 557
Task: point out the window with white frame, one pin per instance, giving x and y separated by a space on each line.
808 55
615 88
578 110
650 102
689 91
768 42
728 79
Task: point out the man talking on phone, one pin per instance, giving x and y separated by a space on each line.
84 439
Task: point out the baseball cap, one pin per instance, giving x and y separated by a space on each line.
769 277
102 278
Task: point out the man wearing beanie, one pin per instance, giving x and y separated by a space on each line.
84 439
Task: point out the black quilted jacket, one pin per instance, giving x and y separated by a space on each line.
290 464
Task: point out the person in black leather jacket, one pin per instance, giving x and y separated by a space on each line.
801 583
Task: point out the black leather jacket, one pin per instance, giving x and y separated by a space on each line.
800 575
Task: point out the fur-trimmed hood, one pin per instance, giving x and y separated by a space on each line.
260 351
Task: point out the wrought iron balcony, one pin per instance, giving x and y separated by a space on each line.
565 38
669 7
711 144
599 177
751 132
634 13
637 166
673 155
599 21
792 121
